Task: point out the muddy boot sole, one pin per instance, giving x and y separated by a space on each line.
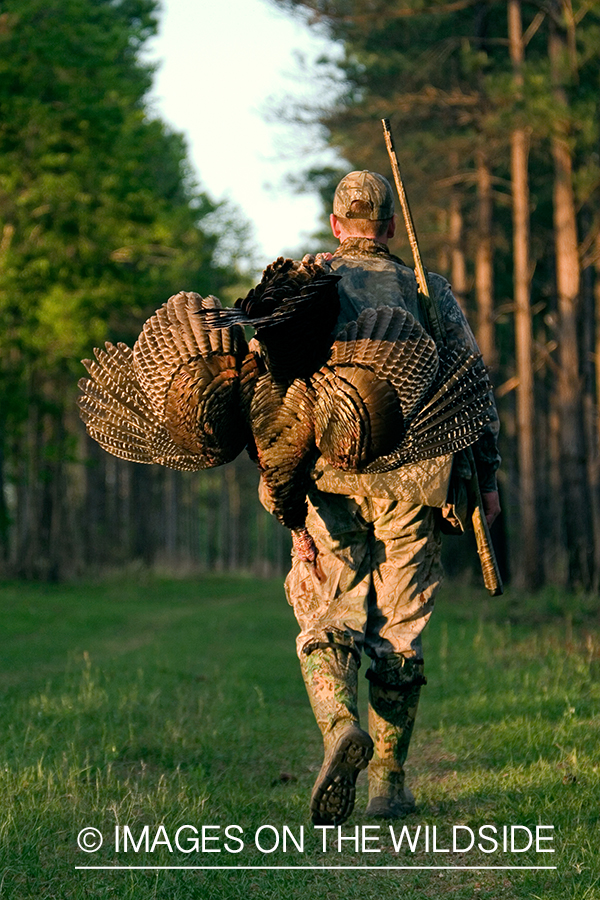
332 799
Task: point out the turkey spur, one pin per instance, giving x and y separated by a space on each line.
192 394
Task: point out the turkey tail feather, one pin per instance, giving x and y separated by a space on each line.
118 416
451 418
176 399
395 347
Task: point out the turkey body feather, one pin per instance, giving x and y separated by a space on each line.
192 394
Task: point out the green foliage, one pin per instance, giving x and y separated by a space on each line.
449 78
100 220
443 73
154 702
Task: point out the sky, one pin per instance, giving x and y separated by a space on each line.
221 65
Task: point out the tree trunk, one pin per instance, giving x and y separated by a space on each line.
590 418
4 515
597 333
529 564
573 458
484 267
234 504
458 276
169 529
143 521
556 564
443 256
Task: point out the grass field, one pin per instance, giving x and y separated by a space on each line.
152 702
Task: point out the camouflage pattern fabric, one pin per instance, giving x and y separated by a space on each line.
331 678
394 689
371 190
426 482
380 567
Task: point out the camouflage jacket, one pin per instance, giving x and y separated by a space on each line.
372 277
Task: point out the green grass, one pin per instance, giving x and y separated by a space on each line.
180 702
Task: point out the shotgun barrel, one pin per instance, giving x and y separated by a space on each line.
485 549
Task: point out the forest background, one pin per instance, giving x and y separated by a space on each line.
495 109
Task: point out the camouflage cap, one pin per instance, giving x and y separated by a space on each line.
373 191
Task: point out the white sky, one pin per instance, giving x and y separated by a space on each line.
221 62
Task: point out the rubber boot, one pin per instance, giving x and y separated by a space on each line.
331 679
394 689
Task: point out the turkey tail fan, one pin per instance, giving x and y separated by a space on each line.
395 347
451 418
175 336
357 416
191 375
118 415
380 368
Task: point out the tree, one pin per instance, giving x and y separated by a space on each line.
578 521
493 117
100 221
519 155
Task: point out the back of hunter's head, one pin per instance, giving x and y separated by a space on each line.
364 195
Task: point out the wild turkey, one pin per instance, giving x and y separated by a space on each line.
192 394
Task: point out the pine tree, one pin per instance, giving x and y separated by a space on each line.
497 124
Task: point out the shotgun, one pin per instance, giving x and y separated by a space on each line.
485 549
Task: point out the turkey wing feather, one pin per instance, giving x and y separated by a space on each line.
118 416
176 399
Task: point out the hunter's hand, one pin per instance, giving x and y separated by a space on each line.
318 258
304 546
491 506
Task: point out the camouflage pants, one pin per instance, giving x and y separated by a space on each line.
380 571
